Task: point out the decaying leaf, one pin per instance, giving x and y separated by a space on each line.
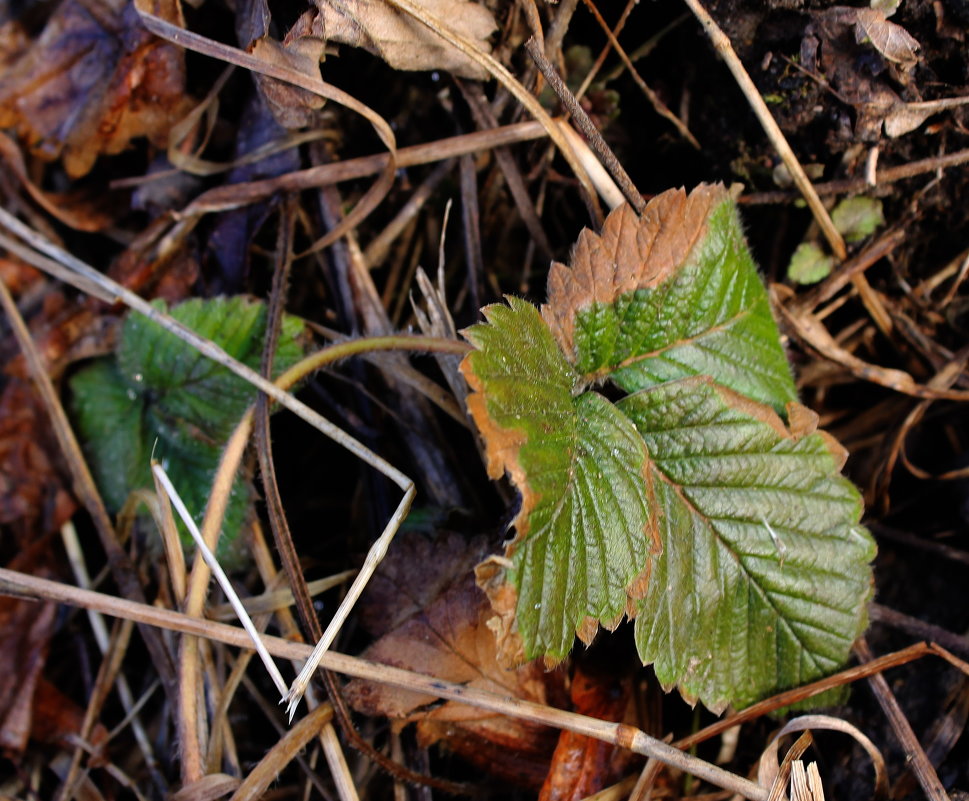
403 42
762 572
92 82
302 51
894 42
630 253
672 294
26 628
431 617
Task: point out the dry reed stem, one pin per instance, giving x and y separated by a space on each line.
723 46
506 79
625 736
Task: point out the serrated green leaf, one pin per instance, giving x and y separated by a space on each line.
583 531
702 310
809 264
159 395
764 576
761 576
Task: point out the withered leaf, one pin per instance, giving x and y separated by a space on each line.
426 588
25 631
891 40
404 43
92 82
301 50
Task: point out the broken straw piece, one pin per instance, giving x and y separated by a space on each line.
221 577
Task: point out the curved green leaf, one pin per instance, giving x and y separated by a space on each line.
159 395
584 529
764 576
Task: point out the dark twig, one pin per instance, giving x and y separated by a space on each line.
914 753
585 125
471 223
920 629
280 527
485 119
855 185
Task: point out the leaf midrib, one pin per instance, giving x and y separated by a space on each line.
606 371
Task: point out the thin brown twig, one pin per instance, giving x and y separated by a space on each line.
498 71
602 150
919 628
590 76
658 105
378 247
312 83
781 700
224 198
888 175
914 753
841 277
486 120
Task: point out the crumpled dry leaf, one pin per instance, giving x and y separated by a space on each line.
301 50
906 117
630 253
433 620
92 82
894 42
831 47
403 42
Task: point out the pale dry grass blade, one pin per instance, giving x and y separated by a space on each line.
723 46
623 735
159 472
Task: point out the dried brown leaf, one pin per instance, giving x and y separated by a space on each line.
25 631
301 50
440 629
33 499
403 42
630 253
891 40
94 80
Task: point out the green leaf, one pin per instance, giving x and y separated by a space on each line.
583 531
688 504
764 576
692 304
159 395
809 264
857 217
